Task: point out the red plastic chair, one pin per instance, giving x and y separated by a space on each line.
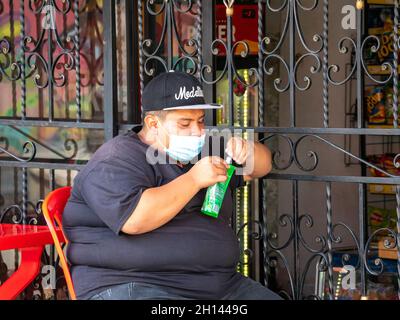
53 207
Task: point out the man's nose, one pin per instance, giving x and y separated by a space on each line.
198 130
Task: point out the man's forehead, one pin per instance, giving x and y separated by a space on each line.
186 114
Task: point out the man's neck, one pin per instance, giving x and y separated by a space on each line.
149 139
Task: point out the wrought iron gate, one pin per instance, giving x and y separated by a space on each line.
80 66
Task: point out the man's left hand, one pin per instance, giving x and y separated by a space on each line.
239 149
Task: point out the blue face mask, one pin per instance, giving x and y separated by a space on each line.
184 148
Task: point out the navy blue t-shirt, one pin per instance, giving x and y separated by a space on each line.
193 255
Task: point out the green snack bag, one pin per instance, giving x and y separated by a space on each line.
215 194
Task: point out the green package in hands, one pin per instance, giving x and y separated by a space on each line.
215 193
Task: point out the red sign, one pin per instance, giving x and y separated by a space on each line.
244 26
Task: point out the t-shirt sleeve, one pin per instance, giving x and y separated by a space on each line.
113 189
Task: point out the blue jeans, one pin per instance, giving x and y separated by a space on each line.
244 289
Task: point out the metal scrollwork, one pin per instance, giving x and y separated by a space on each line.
291 23
343 49
7 64
271 260
294 146
254 235
310 154
276 154
64 61
169 31
387 244
321 268
230 48
284 221
386 66
320 240
28 147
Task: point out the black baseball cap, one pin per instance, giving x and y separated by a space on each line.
174 90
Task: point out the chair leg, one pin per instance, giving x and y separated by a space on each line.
24 275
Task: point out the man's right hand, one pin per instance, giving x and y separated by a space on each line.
208 171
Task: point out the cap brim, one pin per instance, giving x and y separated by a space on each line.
197 106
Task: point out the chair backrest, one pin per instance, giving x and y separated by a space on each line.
53 208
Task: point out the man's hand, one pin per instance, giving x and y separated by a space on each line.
239 149
208 171
254 156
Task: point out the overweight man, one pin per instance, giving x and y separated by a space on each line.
134 217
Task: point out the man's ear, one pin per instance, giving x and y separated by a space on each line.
151 123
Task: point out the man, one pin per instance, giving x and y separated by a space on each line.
135 226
